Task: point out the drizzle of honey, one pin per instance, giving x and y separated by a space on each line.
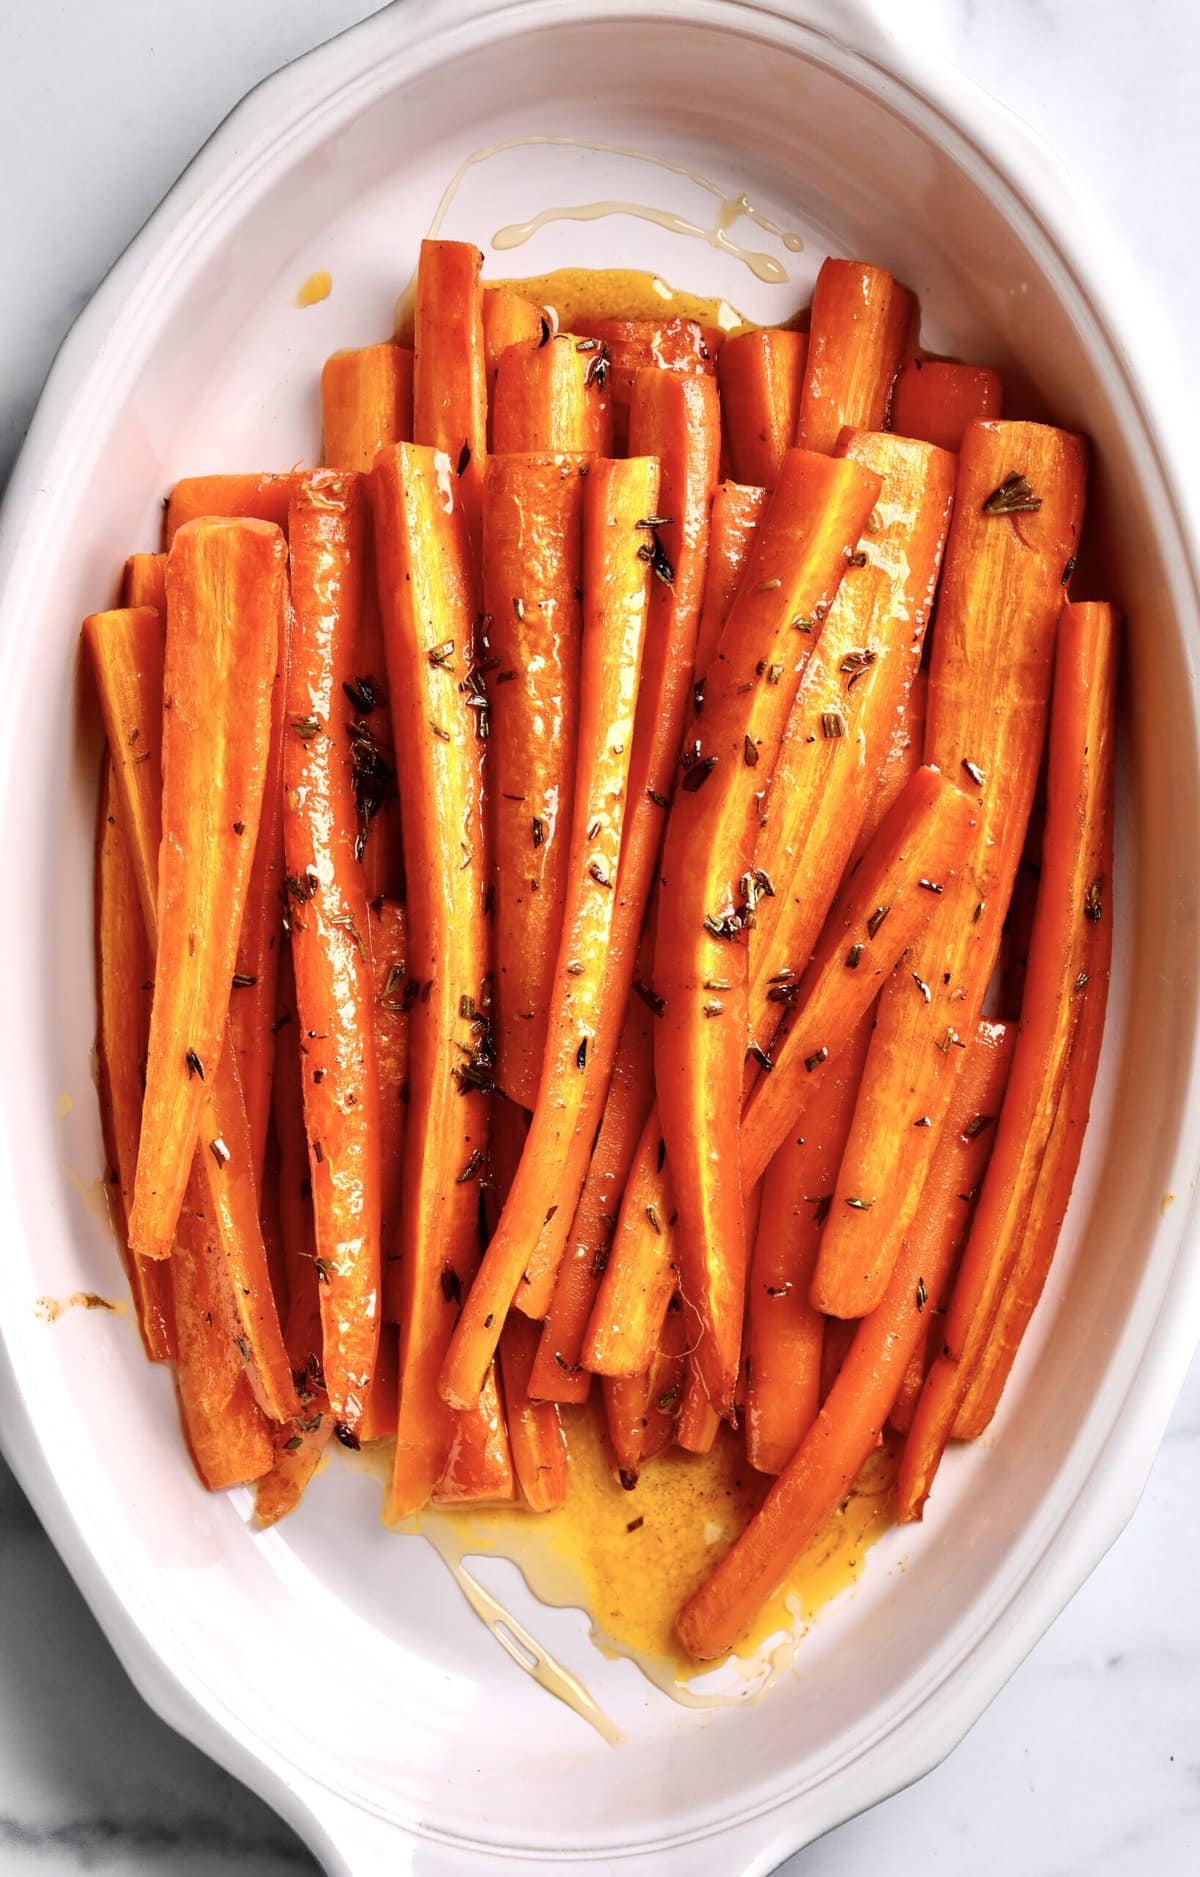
49 1309
316 288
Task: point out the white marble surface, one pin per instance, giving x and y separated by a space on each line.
1089 1761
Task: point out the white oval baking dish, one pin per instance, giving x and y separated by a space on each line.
332 1667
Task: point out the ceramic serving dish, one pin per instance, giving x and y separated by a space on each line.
331 1666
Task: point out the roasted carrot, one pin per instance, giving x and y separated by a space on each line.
144 582
904 744
262 497
935 399
641 1411
228 1435
450 379
297 1450
1074 894
639 1277
761 374
303 1321
327 914
508 319
366 404
736 512
479 1465
383 1403
123 965
850 1422
550 396
709 887
849 700
558 1374
125 648
539 1449
618 497
699 1423
838 1335
784 1334
912 1381
532 582
426 598
632 345
860 325
394 995
225 595
1022 907
1018 508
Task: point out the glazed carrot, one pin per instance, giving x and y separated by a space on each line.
736 512
394 994
850 1423
327 914
618 497
366 403
479 1466
227 1433
935 399
904 1406
532 580
923 838
708 884
297 1450
641 1411
508 319
125 648
262 497
1074 894
631 345
144 582
425 590
383 1402
761 373
123 965
550 396
303 1321
449 380
784 1334
850 697
539 1450
839 1334
225 595
557 1371
1022 907
904 744
861 319
1018 508
699 1423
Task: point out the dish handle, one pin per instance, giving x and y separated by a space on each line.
351 1842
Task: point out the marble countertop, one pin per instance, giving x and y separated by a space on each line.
1089 1761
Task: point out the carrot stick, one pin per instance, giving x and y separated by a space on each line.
425 590
479 1465
557 1373
297 1453
508 319
1022 907
905 1404
736 512
850 1423
532 579
632 345
123 966
550 396
297 1229
225 593
366 404
837 1337
227 1434
262 497
784 1334
327 914
935 399
1018 508
903 746
850 697
383 1403
618 497
449 380
640 1274
761 374
394 995
861 319
144 582
641 1411
709 886
1075 893
535 1432
699 1423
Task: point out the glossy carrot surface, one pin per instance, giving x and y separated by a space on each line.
860 326
366 404
736 512
262 497
761 374
935 399
549 395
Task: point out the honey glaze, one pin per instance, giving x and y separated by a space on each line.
631 1559
316 288
571 294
